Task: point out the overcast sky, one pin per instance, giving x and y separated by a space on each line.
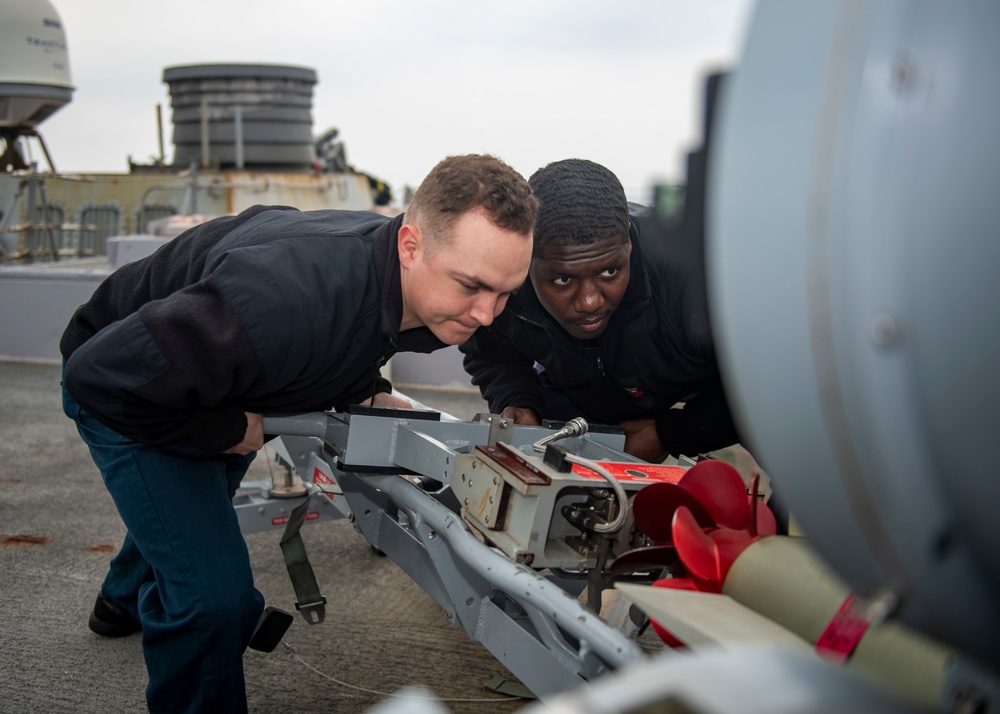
410 82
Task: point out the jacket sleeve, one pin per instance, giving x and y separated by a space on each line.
505 376
170 375
367 385
677 284
705 423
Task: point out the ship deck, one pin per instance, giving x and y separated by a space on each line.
60 528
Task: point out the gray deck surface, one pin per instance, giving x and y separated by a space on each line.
59 528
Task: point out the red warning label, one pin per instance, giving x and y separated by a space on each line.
282 520
624 471
320 477
841 636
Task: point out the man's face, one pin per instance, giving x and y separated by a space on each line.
582 285
464 282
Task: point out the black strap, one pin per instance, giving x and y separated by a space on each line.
310 602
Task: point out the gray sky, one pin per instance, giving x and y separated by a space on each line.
408 83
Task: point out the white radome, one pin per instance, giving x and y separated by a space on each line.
34 63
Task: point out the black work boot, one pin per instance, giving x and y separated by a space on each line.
110 620
271 627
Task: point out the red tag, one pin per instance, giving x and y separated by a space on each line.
841 636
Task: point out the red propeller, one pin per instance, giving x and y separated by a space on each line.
653 556
720 489
709 520
653 505
707 554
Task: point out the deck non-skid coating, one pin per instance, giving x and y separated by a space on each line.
382 632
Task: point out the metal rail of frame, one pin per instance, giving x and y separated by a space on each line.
534 627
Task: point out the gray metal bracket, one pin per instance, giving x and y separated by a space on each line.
545 637
541 633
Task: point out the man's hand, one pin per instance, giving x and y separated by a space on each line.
642 441
385 399
253 440
520 416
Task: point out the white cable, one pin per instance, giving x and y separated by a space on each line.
388 694
619 520
577 427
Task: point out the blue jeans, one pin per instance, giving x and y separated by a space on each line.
183 570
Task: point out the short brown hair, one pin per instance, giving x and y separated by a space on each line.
460 184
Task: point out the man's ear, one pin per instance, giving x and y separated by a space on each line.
409 243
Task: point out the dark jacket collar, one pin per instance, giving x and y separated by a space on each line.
386 257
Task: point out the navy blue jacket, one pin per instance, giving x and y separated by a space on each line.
274 311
